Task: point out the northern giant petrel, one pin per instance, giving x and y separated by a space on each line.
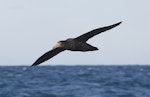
74 44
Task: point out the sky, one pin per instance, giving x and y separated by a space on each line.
29 28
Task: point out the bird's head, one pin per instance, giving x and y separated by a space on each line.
63 41
58 44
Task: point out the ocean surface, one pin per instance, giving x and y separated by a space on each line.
75 81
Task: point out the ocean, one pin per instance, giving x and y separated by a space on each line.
75 81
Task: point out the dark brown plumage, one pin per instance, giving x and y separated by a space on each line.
74 44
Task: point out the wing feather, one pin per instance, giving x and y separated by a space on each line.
88 35
47 56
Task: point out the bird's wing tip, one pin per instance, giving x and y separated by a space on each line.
120 22
33 65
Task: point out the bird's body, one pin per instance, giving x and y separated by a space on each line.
74 44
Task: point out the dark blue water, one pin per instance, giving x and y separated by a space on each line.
75 81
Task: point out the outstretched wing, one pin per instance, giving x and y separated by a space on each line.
47 56
88 35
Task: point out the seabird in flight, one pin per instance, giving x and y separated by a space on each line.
74 44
